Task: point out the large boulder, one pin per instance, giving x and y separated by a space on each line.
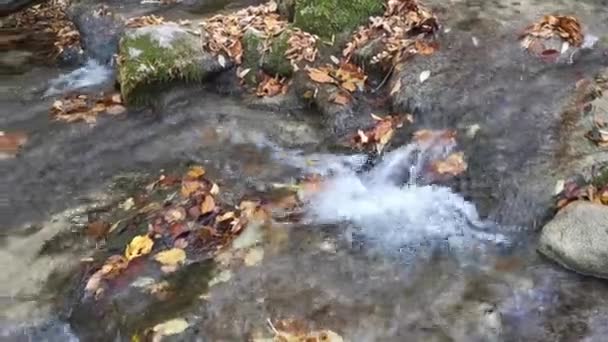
577 238
153 56
521 119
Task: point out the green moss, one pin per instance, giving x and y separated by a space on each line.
328 17
145 65
272 61
252 56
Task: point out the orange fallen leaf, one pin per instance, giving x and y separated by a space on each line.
320 75
453 165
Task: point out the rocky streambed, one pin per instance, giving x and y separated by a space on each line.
376 253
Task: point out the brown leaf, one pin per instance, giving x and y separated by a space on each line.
453 165
97 229
425 48
320 75
341 98
271 86
10 143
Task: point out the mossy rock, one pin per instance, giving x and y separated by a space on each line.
272 60
329 17
153 56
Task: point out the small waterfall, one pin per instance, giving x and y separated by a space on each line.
393 207
89 75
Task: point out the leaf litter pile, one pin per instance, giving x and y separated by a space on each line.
579 189
86 107
48 21
402 30
537 38
187 224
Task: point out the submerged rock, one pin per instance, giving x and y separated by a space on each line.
577 238
152 56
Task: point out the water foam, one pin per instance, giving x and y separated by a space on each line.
391 205
91 74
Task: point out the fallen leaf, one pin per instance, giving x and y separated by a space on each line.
425 48
254 256
215 189
271 86
139 246
190 187
208 205
116 109
97 229
453 165
396 88
320 76
127 205
11 143
195 172
222 277
341 99
171 327
425 75
171 257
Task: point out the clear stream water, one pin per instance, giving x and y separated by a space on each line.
379 256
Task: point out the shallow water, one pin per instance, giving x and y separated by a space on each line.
380 255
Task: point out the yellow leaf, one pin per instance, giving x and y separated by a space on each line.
171 327
140 245
196 172
215 189
189 187
173 256
208 205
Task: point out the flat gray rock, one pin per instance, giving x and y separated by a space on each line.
577 238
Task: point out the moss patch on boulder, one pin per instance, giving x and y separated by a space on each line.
154 55
328 17
271 60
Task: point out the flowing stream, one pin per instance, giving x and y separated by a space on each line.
380 254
